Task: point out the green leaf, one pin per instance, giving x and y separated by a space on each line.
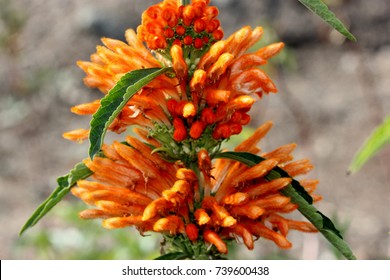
172 256
79 172
379 138
112 104
318 7
319 220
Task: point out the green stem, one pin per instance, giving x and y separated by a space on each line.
184 2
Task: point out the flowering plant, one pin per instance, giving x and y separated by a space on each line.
185 91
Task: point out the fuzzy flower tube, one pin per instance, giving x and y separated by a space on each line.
185 90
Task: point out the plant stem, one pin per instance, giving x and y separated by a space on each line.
185 2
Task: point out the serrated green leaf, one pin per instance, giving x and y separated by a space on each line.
318 7
79 172
112 104
319 220
379 137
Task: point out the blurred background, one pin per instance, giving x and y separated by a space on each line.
332 94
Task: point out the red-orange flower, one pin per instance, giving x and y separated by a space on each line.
229 199
170 183
215 86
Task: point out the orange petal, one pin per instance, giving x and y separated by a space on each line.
270 50
86 108
261 230
298 167
220 66
154 208
250 211
274 202
252 141
198 80
259 170
237 198
173 224
121 222
213 238
201 216
178 63
268 187
245 234
78 135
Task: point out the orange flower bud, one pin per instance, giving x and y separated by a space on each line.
171 106
235 128
170 16
180 131
220 66
237 198
211 12
160 204
153 12
208 116
169 33
198 43
188 13
180 30
245 119
192 232
213 238
198 81
178 63
197 129
221 131
218 34
199 25
189 110
172 224
187 40
241 102
201 216
215 96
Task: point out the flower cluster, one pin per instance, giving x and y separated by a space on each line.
226 200
170 182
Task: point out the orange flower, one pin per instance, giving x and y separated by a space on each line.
171 184
229 199
215 86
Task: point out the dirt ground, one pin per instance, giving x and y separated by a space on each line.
332 93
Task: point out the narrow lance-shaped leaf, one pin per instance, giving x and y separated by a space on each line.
318 7
379 137
249 159
112 104
319 220
79 172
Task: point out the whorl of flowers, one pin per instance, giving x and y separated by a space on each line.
170 181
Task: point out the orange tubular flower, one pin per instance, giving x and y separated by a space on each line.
138 189
171 183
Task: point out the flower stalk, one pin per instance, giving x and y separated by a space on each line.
173 178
